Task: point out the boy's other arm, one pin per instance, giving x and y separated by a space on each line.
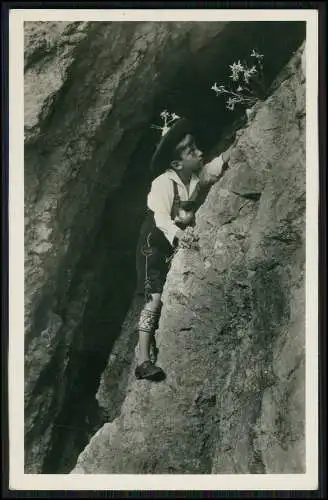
160 200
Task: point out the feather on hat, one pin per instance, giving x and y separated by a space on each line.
171 136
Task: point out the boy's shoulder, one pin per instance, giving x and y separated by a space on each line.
164 178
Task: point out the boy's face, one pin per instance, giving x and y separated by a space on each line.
191 157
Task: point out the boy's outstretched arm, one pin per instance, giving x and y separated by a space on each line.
213 170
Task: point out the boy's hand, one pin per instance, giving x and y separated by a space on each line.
188 238
179 234
227 153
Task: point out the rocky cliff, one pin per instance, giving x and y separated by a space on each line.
234 397
231 335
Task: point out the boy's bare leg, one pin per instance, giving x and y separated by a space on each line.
153 349
147 326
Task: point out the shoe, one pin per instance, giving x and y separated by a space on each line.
147 370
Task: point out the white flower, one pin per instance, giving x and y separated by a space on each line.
231 103
236 68
240 73
248 73
165 130
235 77
218 90
167 118
256 54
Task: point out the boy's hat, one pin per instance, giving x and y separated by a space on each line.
171 136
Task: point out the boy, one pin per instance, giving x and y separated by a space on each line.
172 202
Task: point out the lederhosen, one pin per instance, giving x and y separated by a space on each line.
154 251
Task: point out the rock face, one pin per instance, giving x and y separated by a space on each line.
231 336
92 91
85 110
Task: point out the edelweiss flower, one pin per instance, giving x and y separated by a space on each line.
240 73
236 68
256 54
168 118
164 114
231 103
217 89
235 77
248 73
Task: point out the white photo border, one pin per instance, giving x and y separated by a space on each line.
18 480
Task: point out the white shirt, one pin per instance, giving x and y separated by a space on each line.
161 195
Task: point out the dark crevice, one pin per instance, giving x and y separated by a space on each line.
249 196
235 217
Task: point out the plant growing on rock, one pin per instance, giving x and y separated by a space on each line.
247 83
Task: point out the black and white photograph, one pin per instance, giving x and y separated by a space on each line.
163 191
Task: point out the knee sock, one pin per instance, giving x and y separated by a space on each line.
147 325
148 321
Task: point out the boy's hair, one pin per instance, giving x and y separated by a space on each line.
176 152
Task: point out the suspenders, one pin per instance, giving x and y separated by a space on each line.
176 200
186 205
